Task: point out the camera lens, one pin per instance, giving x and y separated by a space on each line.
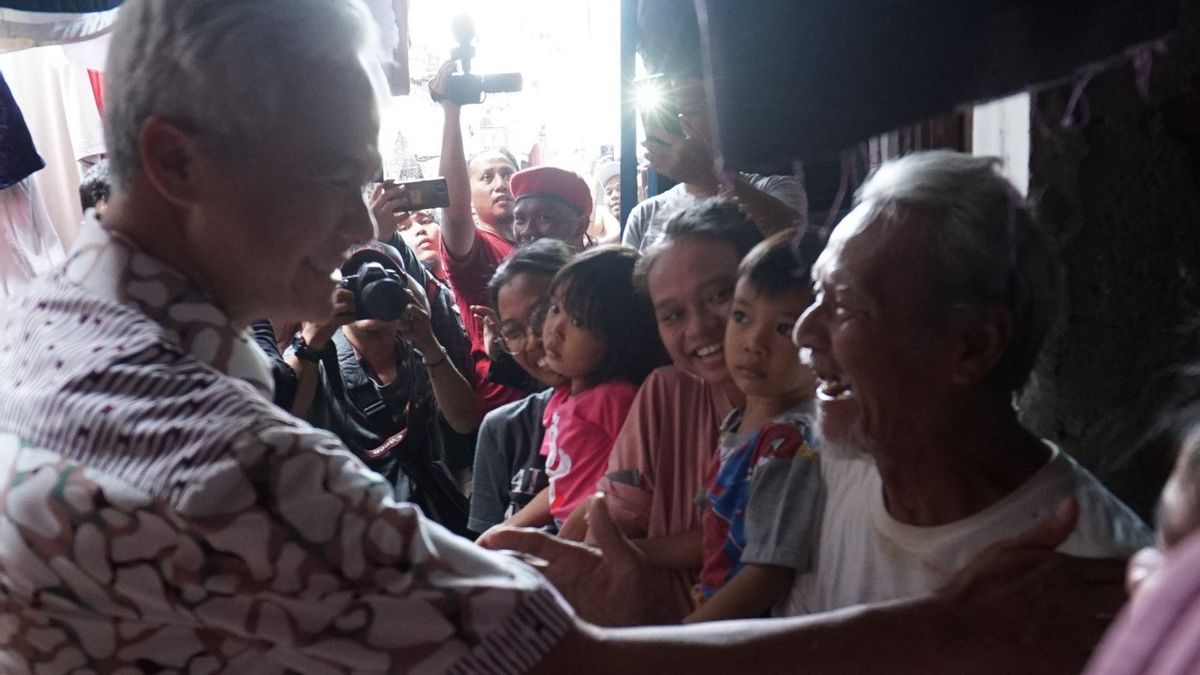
382 299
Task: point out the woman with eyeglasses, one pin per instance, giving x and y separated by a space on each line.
508 468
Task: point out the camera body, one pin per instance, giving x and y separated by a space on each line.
467 88
379 293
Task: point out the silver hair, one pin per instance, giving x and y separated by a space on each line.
225 69
986 247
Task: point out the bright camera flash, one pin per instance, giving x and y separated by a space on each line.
648 96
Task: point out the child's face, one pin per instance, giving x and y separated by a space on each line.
571 348
758 342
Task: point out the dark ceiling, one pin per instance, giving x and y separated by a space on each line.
797 79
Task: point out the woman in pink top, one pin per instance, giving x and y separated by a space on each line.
657 465
599 334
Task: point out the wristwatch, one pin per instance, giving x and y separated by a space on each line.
301 350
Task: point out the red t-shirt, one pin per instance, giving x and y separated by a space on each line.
469 277
580 431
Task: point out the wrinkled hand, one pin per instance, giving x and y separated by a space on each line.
1044 607
490 321
607 584
386 201
685 159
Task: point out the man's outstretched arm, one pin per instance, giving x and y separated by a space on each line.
1019 607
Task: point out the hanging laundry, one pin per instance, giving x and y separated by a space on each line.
28 243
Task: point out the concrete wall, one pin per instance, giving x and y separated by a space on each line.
1119 190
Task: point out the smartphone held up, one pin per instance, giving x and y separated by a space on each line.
419 195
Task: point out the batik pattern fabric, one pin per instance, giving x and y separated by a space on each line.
159 514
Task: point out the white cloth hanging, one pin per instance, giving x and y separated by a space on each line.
28 243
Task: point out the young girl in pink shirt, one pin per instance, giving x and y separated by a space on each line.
599 333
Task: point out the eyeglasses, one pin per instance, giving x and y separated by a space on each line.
514 338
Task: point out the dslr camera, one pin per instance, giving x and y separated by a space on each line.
466 88
379 293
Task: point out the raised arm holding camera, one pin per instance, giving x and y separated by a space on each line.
477 225
390 204
679 146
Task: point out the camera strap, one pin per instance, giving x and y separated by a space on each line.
382 415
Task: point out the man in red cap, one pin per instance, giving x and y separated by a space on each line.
552 203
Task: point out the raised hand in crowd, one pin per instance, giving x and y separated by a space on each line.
773 203
455 397
386 200
458 218
487 317
315 336
689 159
686 158
415 325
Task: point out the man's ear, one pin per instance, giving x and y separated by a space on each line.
168 160
982 336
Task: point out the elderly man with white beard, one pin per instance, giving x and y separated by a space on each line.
933 298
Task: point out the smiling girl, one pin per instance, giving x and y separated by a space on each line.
599 333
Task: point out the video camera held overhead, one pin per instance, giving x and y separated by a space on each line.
466 88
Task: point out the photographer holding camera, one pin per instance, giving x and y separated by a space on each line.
375 375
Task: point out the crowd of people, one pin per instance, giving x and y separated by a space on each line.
219 454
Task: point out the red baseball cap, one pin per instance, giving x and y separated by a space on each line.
553 182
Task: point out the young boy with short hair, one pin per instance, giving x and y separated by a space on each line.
762 504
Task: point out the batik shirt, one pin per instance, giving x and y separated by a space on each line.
159 514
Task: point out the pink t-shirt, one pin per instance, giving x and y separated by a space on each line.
580 430
658 464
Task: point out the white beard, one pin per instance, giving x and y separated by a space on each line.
851 447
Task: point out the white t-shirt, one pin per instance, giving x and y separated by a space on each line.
864 555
